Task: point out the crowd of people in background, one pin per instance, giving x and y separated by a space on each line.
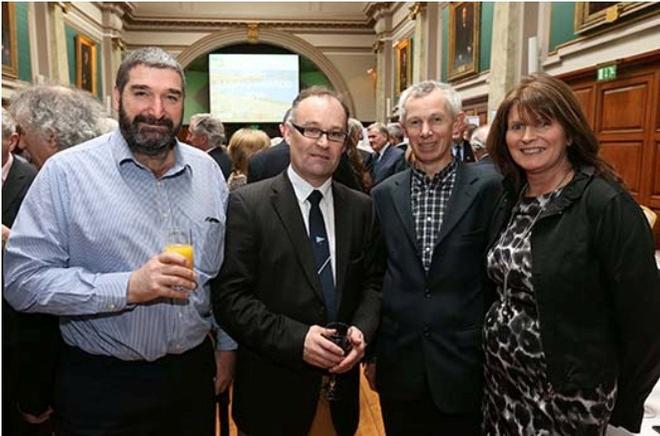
493 279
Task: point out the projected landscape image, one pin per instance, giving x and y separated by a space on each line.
252 88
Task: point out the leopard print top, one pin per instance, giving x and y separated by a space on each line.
519 398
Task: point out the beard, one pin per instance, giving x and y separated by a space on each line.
148 140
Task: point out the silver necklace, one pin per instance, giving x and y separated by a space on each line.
508 266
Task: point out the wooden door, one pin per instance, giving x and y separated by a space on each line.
624 114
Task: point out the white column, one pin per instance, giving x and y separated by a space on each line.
506 52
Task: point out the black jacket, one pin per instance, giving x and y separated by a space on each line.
429 339
597 290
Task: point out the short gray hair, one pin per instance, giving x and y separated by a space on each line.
382 128
152 57
395 131
8 125
423 89
70 115
480 134
210 126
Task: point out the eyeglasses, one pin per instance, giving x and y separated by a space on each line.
416 124
316 133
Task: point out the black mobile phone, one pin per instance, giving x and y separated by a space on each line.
656 428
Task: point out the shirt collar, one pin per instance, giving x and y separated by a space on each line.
420 176
384 149
303 188
122 154
6 167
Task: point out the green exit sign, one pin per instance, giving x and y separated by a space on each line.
607 73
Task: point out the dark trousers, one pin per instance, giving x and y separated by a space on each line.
421 417
100 395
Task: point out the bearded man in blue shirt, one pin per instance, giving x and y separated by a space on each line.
87 245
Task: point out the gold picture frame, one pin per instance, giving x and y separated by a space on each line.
590 15
464 20
403 65
9 43
86 63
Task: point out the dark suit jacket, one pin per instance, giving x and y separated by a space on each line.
29 341
387 165
268 163
18 181
268 294
273 161
223 160
430 334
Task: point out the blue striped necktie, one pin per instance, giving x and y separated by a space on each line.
321 250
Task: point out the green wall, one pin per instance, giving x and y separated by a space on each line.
23 43
561 24
70 35
485 35
485 38
197 94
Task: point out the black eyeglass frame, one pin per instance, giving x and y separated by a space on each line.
305 132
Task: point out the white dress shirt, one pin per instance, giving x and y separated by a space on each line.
302 189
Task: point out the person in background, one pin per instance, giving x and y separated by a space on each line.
386 159
397 136
88 246
242 145
51 118
270 162
300 254
207 133
27 340
461 149
572 343
428 358
478 144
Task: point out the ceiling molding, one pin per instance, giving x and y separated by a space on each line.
166 23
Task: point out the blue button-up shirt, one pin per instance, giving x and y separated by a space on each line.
94 215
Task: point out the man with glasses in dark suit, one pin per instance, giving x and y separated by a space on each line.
300 254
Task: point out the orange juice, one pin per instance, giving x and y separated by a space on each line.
185 250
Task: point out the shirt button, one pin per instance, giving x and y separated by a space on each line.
112 307
180 315
429 219
428 249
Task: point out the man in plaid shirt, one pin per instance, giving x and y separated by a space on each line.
434 217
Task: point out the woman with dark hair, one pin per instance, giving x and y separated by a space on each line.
356 157
573 341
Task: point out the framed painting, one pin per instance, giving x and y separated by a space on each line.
403 65
9 55
591 15
463 59
86 63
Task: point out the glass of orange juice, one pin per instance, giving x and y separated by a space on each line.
180 241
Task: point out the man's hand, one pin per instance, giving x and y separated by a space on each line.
225 362
165 275
319 350
370 375
354 356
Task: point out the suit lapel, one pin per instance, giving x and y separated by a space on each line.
401 200
286 206
342 237
460 200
